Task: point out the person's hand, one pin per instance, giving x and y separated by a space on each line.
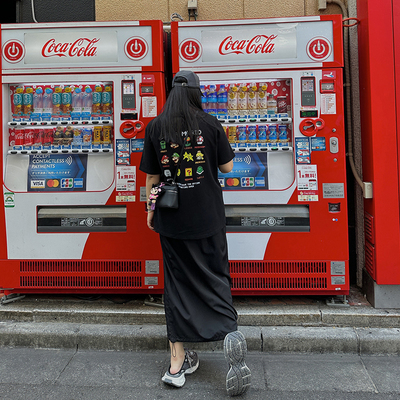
150 220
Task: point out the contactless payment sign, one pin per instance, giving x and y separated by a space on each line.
57 172
249 172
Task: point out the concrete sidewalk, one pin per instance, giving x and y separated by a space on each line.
39 374
137 323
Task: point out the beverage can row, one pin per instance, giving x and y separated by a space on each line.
30 137
261 133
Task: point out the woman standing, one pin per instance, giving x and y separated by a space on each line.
185 142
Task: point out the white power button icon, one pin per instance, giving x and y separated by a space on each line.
13 51
190 50
319 48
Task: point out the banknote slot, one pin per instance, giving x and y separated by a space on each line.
78 219
267 218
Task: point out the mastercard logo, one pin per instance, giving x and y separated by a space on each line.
232 182
52 183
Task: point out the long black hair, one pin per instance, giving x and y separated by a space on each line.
179 114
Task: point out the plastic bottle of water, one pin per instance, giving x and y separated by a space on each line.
204 99
47 104
87 102
222 100
212 101
37 104
76 104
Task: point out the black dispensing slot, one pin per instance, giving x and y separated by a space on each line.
267 218
79 219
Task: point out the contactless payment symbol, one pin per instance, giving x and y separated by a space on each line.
319 48
13 51
190 50
136 48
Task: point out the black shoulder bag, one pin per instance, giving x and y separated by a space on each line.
165 194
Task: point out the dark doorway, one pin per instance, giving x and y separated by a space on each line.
8 13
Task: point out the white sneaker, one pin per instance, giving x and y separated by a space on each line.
238 379
190 364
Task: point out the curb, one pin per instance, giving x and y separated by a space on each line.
282 339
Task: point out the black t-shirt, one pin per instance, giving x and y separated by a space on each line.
201 211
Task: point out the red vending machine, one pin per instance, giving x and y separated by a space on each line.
276 85
379 55
75 101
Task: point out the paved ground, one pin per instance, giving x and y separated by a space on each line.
75 374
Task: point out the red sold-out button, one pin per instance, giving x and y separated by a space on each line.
136 48
319 48
190 50
13 51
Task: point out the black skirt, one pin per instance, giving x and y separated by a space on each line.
197 292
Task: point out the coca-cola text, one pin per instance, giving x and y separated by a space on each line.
258 44
82 47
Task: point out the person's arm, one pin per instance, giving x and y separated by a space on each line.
150 180
225 168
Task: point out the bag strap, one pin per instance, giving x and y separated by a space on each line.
180 158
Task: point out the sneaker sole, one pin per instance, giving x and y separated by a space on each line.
177 382
238 379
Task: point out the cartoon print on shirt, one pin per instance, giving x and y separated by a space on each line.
167 173
163 145
199 156
200 140
175 158
188 156
174 145
188 172
165 160
199 170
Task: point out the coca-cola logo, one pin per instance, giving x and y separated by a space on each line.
259 44
82 47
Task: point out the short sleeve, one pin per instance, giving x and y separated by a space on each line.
225 152
149 162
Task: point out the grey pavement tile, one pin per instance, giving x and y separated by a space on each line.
32 366
323 372
384 372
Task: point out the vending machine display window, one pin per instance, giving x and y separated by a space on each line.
55 131
257 118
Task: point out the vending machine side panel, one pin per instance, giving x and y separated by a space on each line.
379 70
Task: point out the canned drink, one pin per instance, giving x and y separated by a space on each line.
241 133
106 138
38 135
77 137
283 133
11 137
262 133
87 135
19 137
282 104
58 136
97 133
252 133
28 137
48 136
68 136
272 133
